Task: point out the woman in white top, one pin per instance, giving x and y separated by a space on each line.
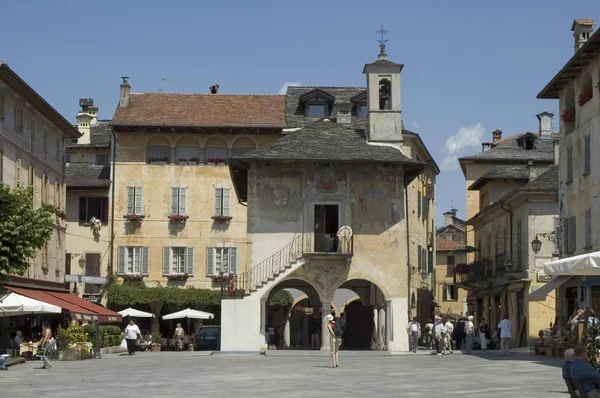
178 336
470 331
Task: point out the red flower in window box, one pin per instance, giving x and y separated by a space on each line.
222 218
222 277
178 218
568 115
134 217
584 97
133 277
159 160
215 160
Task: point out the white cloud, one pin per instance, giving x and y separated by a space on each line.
285 85
459 144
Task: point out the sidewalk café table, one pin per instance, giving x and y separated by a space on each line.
28 349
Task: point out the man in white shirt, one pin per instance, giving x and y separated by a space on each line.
414 330
505 335
470 332
132 331
449 331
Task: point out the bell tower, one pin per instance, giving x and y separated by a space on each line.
383 97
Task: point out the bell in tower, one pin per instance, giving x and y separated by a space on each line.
383 97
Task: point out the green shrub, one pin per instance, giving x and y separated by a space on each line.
90 330
112 330
72 334
72 354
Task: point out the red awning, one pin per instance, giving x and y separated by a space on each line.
79 309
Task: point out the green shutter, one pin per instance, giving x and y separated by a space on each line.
233 260
225 202
218 208
121 260
209 261
189 261
130 200
419 254
166 262
138 200
182 198
145 260
430 263
174 200
419 204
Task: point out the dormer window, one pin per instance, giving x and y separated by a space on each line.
527 141
316 111
529 144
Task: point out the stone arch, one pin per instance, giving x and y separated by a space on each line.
159 140
187 140
385 94
187 150
244 141
216 148
215 141
158 149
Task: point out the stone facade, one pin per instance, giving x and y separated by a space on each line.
32 150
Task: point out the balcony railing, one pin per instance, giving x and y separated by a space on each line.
475 271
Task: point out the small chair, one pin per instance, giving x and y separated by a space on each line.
582 393
571 387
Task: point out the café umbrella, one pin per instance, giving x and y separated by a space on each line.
189 313
133 313
13 304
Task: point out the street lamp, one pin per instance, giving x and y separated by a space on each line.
536 244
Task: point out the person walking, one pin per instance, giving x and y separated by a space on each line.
505 336
484 330
449 333
335 339
46 344
470 332
97 341
428 337
438 335
132 332
178 336
414 331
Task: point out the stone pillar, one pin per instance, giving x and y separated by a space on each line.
286 332
381 327
324 330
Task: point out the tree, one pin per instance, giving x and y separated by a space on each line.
23 229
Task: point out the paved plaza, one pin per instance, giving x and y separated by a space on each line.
293 375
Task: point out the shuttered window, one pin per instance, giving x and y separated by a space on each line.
587 154
178 260
588 228
569 165
134 200
221 202
221 259
419 204
133 260
178 200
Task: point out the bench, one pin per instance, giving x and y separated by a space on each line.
582 393
571 387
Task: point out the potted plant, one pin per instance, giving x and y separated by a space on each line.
178 277
221 218
156 160
215 161
133 277
156 344
178 218
134 217
568 115
183 161
193 160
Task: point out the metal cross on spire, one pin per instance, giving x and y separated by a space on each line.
382 32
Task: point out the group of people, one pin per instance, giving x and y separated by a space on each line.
133 335
46 343
440 335
577 369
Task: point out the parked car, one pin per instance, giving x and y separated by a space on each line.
208 338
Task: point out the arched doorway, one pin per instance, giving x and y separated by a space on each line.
363 316
297 324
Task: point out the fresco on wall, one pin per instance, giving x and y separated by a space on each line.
279 195
327 180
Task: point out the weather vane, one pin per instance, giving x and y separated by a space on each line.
382 32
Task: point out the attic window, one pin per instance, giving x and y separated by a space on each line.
528 144
316 111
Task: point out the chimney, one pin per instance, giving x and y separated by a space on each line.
496 137
582 30
545 119
532 170
86 118
344 115
556 152
449 217
125 90
214 89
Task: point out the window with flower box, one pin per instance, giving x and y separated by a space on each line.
133 260
134 200
221 202
178 201
158 154
221 259
178 261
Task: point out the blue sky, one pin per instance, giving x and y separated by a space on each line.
470 66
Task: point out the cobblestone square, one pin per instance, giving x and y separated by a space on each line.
294 375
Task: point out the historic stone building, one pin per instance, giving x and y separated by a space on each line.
176 218
88 202
453 228
343 200
32 149
576 87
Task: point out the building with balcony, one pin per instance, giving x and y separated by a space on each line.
576 87
507 271
32 149
449 296
343 200
88 180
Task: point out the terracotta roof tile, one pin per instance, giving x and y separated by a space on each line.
445 245
195 110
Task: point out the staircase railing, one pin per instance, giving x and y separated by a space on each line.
275 264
